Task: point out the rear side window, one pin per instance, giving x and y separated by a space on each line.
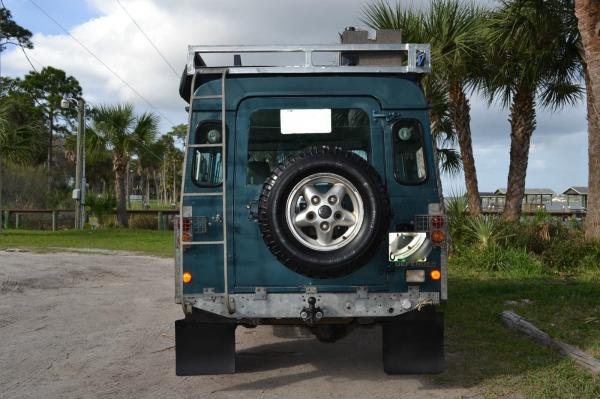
208 163
409 155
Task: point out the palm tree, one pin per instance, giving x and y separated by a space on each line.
532 59
452 28
588 17
117 128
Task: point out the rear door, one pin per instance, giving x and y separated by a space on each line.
259 147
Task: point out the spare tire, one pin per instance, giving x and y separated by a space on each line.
323 212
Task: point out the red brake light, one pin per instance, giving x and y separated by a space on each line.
437 221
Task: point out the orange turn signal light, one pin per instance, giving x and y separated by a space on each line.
435 274
186 236
437 236
187 277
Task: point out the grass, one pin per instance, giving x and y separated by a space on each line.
481 352
151 242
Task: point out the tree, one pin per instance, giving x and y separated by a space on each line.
47 88
173 159
16 142
532 59
11 32
117 128
453 30
588 17
19 110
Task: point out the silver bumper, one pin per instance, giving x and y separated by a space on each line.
332 304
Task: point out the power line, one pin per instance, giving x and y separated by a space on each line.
148 38
101 62
26 56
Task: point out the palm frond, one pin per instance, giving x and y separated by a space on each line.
450 161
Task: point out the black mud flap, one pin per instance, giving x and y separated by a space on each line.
414 343
204 348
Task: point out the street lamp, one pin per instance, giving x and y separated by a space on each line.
79 192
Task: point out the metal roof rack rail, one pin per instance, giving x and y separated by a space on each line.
414 58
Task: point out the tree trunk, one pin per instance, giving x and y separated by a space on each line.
156 186
120 169
522 125
147 199
588 21
1 184
461 117
50 150
174 184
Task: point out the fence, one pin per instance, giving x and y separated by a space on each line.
65 218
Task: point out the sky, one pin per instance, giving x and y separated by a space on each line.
558 155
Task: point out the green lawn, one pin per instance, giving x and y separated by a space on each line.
151 242
481 352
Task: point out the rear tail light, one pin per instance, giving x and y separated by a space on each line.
437 236
437 221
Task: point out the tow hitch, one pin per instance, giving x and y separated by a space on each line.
312 314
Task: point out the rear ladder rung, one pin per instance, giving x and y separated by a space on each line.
203 145
203 242
208 97
200 194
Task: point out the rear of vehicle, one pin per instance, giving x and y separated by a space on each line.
310 197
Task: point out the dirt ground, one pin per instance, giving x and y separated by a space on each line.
101 325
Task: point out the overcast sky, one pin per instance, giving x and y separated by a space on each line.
558 156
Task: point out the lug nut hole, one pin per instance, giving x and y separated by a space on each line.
332 199
315 200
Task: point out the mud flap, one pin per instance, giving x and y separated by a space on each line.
204 348
414 343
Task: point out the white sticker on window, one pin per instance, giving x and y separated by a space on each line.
305 121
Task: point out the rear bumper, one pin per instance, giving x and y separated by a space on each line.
333 305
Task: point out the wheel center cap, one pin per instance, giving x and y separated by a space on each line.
324 211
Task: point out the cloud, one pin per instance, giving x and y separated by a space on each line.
172 26
559 140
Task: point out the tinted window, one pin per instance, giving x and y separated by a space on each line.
267 146
208 164
409 155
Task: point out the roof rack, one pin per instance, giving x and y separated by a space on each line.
415 58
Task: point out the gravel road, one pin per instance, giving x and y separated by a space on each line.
95 325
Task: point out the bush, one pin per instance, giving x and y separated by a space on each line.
559 245
483 231
494 259
143 222
100 206
456 211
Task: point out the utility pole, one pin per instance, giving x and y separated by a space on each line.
79 191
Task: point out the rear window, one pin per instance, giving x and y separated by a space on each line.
269 144
409 155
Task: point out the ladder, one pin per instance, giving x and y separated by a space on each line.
229 302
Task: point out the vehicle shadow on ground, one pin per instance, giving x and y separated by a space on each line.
356 357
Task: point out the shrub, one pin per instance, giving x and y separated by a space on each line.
494 259
143 222
483 231
456 212
101 206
